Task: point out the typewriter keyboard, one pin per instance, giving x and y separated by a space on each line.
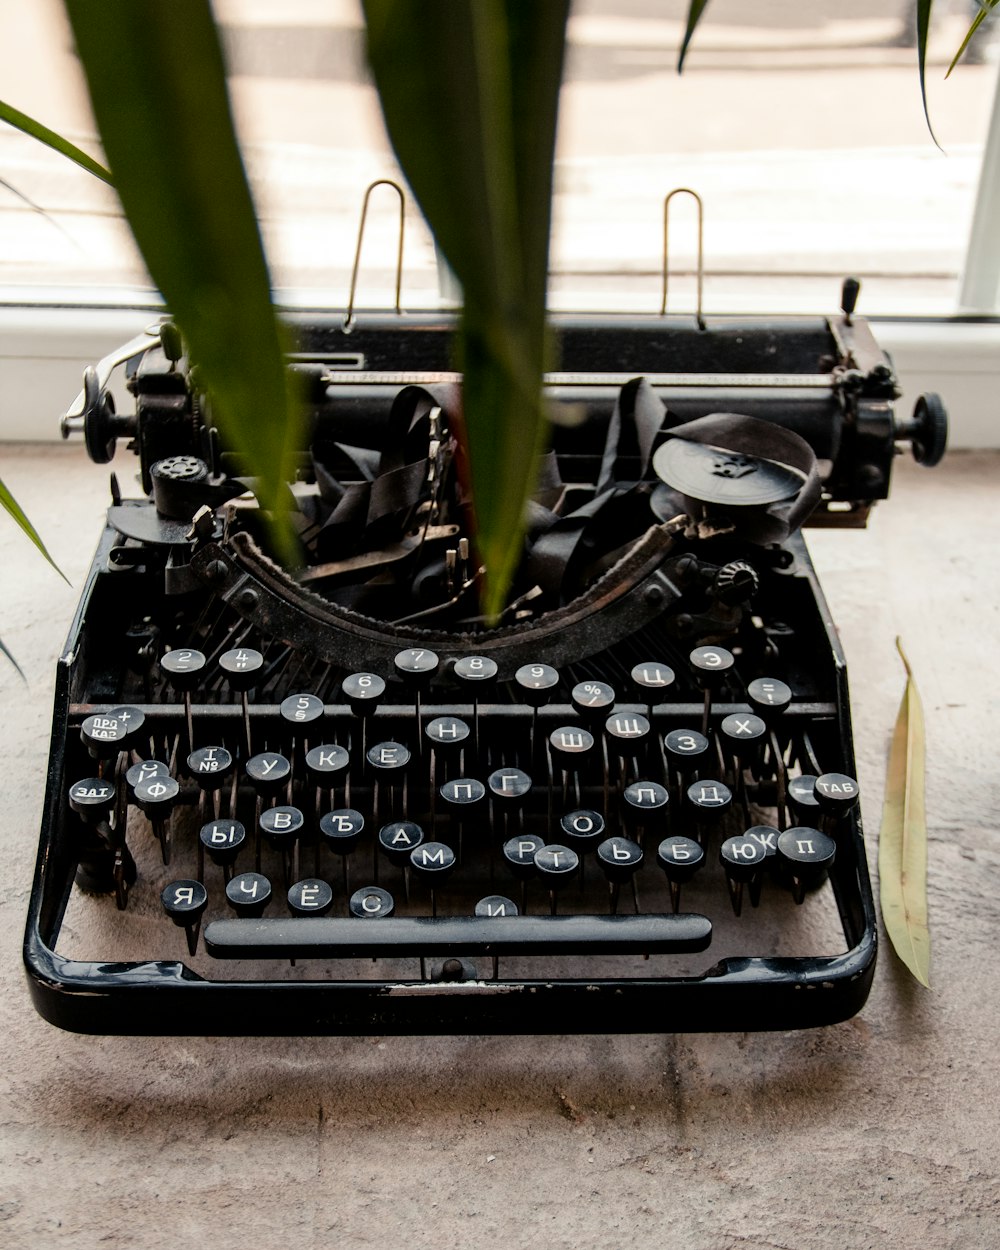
645 816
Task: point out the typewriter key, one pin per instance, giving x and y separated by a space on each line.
416 666
185 903
156 797
477 674
711 666
463 798
620 859
519 853
709 801
248 894
139 772
363 692
686 750
557 866
650 682
300 712
107 734
396 841
536 684
742 859
807 855
802 797
211 768
582 830
478 671
447 736
742 736
341 830
464 793
184 669
626 735
223 840
242 668
769 697
434 863
767 837
326 764
645 805
592 699
311 897
570 749
282 827
389 759
743 733
509 785
371 903
680 858
837 795
495 905
268 772
92 799
389 762
447 733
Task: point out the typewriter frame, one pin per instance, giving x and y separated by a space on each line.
846 412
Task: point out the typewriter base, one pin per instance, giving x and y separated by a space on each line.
166 996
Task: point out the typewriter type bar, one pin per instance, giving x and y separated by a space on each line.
292 811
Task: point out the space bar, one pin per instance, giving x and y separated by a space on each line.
329 937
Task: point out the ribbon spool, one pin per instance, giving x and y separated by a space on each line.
737 473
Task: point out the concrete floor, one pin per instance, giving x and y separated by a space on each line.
880 1132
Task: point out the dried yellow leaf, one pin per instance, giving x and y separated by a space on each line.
902 848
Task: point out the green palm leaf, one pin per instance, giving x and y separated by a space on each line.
21 121
695 12
923 32
476 141
157 84
977 21
10 505
13 508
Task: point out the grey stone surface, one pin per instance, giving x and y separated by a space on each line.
880 1132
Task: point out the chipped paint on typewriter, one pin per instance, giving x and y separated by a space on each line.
330 799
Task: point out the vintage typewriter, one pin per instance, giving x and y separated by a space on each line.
330 799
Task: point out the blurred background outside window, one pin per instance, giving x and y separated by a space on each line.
799 124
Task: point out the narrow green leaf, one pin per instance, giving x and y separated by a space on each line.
10 504
37 208
10 657
21 121
476 142
157 84
977 21
902 848
695 11
923 32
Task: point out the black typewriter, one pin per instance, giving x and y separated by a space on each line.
331 799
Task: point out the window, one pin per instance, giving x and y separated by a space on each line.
800 126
